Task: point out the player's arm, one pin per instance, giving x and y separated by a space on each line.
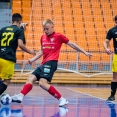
38 55
78 48
22 47
107 45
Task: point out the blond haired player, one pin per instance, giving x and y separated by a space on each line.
51 43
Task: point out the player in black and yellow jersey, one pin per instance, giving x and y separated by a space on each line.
112 34
11 37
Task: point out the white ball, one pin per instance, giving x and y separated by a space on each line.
6 99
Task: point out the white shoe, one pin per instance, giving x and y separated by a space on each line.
62 101
62 111
17 98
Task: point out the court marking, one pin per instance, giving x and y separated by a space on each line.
90 95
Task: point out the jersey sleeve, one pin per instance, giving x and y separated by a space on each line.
109 35
21 36
0 34
64 39
1 31
41 40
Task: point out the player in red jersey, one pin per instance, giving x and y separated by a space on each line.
51 43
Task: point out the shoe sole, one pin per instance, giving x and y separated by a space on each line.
64 104
18 101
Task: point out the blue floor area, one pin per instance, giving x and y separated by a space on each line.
40 104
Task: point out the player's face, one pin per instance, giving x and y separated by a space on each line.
115 22
48 29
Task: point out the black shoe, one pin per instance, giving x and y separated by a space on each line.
111 98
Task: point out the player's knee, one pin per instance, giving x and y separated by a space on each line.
7 82
114 77
31 79
42 82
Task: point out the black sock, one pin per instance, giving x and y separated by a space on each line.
113 88
3 87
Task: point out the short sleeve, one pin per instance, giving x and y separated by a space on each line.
41 40
64 39
109 35
21 36
1 31
0 34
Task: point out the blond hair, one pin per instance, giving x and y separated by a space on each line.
47 21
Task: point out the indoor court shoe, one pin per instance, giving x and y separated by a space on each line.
111 98
63 102
17 98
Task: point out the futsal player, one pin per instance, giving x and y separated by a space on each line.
51 43
112 34
11 37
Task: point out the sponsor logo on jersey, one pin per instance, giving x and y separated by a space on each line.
51 39
44 39
45 43
3 49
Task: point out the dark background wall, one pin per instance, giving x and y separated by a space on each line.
4 0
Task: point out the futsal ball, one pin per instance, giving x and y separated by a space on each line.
6 99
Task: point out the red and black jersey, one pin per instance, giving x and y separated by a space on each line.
51 46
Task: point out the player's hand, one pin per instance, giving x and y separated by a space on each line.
108 51
23 25
88 54
29 62
32 52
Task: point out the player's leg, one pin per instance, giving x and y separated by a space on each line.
113 87
46 73
6 73
4 85
26 88
53 91
114 80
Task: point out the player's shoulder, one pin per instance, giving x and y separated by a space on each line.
113 29
16 28
4 27
58 34
11 28
43 35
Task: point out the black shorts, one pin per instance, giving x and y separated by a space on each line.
46 70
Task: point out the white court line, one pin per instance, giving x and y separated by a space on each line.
98 89
91 95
